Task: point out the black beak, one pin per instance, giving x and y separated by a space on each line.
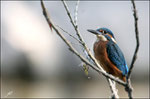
94 31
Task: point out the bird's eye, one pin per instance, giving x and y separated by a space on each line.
105 32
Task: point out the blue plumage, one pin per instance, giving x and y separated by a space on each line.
108 53
116 56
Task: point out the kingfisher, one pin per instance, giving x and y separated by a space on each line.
108 54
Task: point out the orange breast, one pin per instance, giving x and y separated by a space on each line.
102 57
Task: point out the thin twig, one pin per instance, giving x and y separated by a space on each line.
69 34
84 45
129 89
113 89
76 13
137 39
80 38
128 86
76 24
98 69
72 49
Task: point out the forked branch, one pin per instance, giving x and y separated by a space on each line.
72 49
96 65
128 86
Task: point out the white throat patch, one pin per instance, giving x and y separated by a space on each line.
101 37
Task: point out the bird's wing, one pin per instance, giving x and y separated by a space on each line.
116 56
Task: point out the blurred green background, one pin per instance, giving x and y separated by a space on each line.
36 63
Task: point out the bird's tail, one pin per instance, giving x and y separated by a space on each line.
123 78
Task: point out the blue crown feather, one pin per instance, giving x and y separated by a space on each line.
107 30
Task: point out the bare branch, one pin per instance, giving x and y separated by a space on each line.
128 86
46 15
69 34
97 67
72 49
137 39
113 89
71 20
80 38
76 13
84 45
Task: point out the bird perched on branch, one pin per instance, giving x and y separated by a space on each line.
108 53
